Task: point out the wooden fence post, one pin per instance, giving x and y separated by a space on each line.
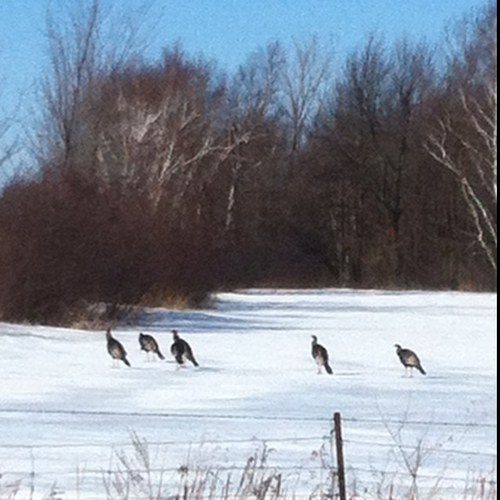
340 455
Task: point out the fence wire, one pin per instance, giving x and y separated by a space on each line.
317 468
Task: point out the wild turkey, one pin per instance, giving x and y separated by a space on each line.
320 355
409 360
181 350
115 349
149 344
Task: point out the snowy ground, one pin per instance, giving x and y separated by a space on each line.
67 416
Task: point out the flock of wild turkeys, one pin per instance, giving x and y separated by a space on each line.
179 349
182 352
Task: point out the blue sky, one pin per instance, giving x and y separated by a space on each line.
228 30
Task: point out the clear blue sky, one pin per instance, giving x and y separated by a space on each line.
228 30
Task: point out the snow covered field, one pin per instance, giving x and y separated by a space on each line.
68 419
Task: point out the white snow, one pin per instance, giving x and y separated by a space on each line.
66 414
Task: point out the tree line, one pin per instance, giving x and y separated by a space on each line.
157 182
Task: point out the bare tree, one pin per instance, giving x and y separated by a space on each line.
304 78
252 133
80 49
256 86
73 64
161 129
8 144
154 138
372 123
464 140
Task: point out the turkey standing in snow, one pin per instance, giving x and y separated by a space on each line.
409 360
149 344
116 350
320 355
181 350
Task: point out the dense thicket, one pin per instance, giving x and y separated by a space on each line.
167 179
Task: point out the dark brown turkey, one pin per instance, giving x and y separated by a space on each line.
409 360
181 350
115 349
320 355
148 344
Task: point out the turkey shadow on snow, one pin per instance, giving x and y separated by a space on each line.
347 374
208 369
195 368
